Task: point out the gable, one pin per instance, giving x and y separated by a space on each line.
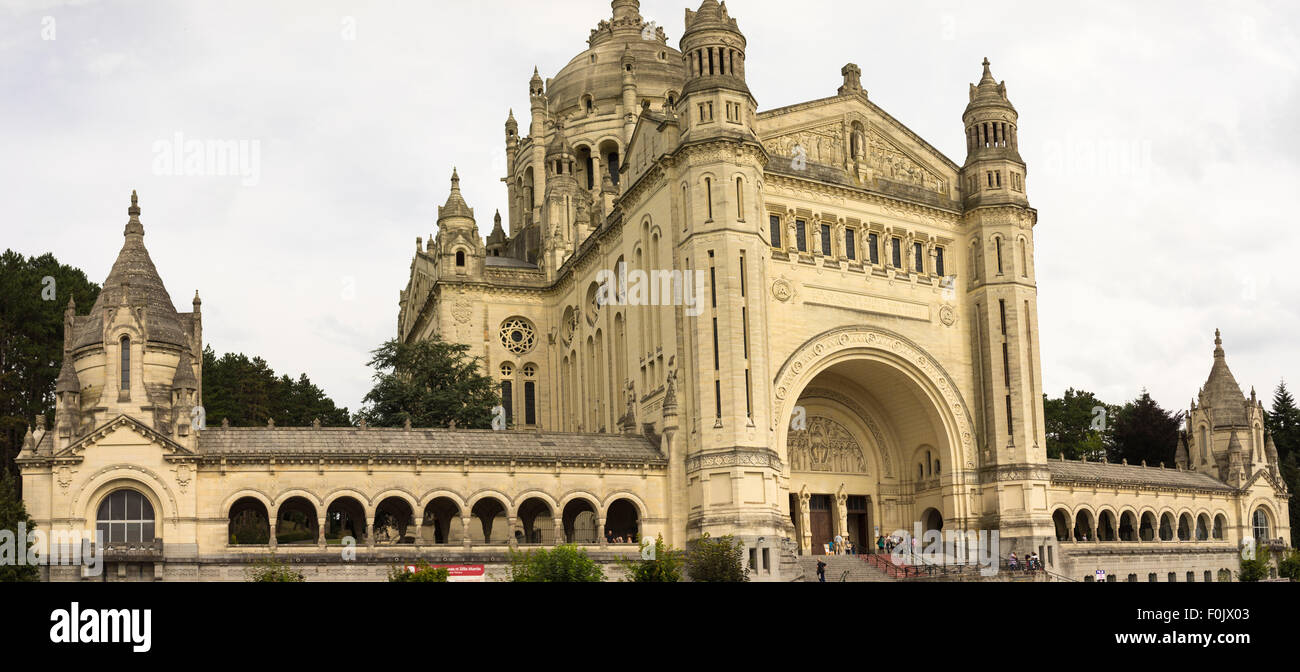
850 134
123 433
651 138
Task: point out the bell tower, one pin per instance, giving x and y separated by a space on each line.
725 374
1002 300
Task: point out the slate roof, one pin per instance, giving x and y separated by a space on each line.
134 275
1130 475
432 443
1221 394
508 262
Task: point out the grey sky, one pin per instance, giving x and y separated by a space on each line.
1161 140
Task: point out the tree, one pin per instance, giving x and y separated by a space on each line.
248 393
1077 425
34 292
1283 422
430 383
1145 431
424 573
713 560
562 564
663 566
13 512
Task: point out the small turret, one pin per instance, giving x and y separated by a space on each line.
496 241
460 248
1236 462
1180 455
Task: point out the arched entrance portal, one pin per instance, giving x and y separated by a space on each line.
875 437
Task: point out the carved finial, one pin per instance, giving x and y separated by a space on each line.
315 423
452 424
197 301
364 424
225 422
133 226
407 424
270 423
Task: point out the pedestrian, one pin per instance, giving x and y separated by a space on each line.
839 544
880 543
821 571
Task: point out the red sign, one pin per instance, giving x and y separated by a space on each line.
460 573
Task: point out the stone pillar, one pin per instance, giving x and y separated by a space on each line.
558 537
465 533
600 531
370 531
419 530
320 532
271 526
805 536
511 539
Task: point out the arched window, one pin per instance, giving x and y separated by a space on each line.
125 517
1259 522
708 196
740 200
125 345
460 258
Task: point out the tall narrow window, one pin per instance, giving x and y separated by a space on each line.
1024 259
740 200
708 195
850 249
1010 424
938 262
125 345
530 402
918 251
873 248
1002 309
774 224
999 244
800 235
826 240
897 245
460 258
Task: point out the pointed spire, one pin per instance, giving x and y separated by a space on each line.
133 225
1180 455
989 92
1270 449
1218 344
456 205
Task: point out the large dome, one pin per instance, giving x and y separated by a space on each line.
598 71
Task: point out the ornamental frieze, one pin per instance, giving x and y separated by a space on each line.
825 445
738 457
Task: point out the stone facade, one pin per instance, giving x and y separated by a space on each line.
782 325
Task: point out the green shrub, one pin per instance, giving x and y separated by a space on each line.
713 560
563 564
1255 569
272 570
424 573
665 566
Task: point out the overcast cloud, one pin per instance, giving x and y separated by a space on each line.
1161 139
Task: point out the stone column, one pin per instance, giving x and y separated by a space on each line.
559 531
370 531
271 541
600 531
465 533
511 539
320 532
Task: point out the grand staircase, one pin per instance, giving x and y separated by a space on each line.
841 568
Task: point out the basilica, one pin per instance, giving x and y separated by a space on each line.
787 324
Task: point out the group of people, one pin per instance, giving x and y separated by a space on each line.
841 545
1031 562
612 538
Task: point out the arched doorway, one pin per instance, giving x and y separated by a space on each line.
249 522
856 408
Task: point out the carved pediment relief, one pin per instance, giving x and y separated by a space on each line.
825 445
858 146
